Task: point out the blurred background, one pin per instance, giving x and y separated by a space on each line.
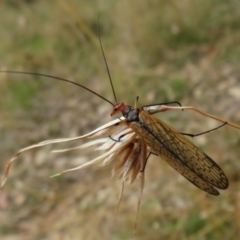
186 51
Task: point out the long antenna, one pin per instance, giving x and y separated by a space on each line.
109 75
60 79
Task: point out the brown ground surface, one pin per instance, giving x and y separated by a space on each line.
158 50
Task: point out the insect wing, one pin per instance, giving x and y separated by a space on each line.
180 153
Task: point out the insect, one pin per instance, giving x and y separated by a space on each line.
131 139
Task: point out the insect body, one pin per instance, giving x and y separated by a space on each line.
175 149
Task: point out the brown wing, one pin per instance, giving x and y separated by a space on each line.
180 153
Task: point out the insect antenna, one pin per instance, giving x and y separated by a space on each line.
105 60
60 79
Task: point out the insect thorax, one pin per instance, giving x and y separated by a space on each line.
131 114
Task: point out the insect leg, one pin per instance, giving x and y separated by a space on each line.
165 103
208 131
145 163
119 138
161 108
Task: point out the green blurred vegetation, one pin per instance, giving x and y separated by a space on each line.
185 51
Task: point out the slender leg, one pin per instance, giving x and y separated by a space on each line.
161 108
119 138
115 139
163 104
198 134
142 170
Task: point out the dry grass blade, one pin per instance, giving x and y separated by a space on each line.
105 130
